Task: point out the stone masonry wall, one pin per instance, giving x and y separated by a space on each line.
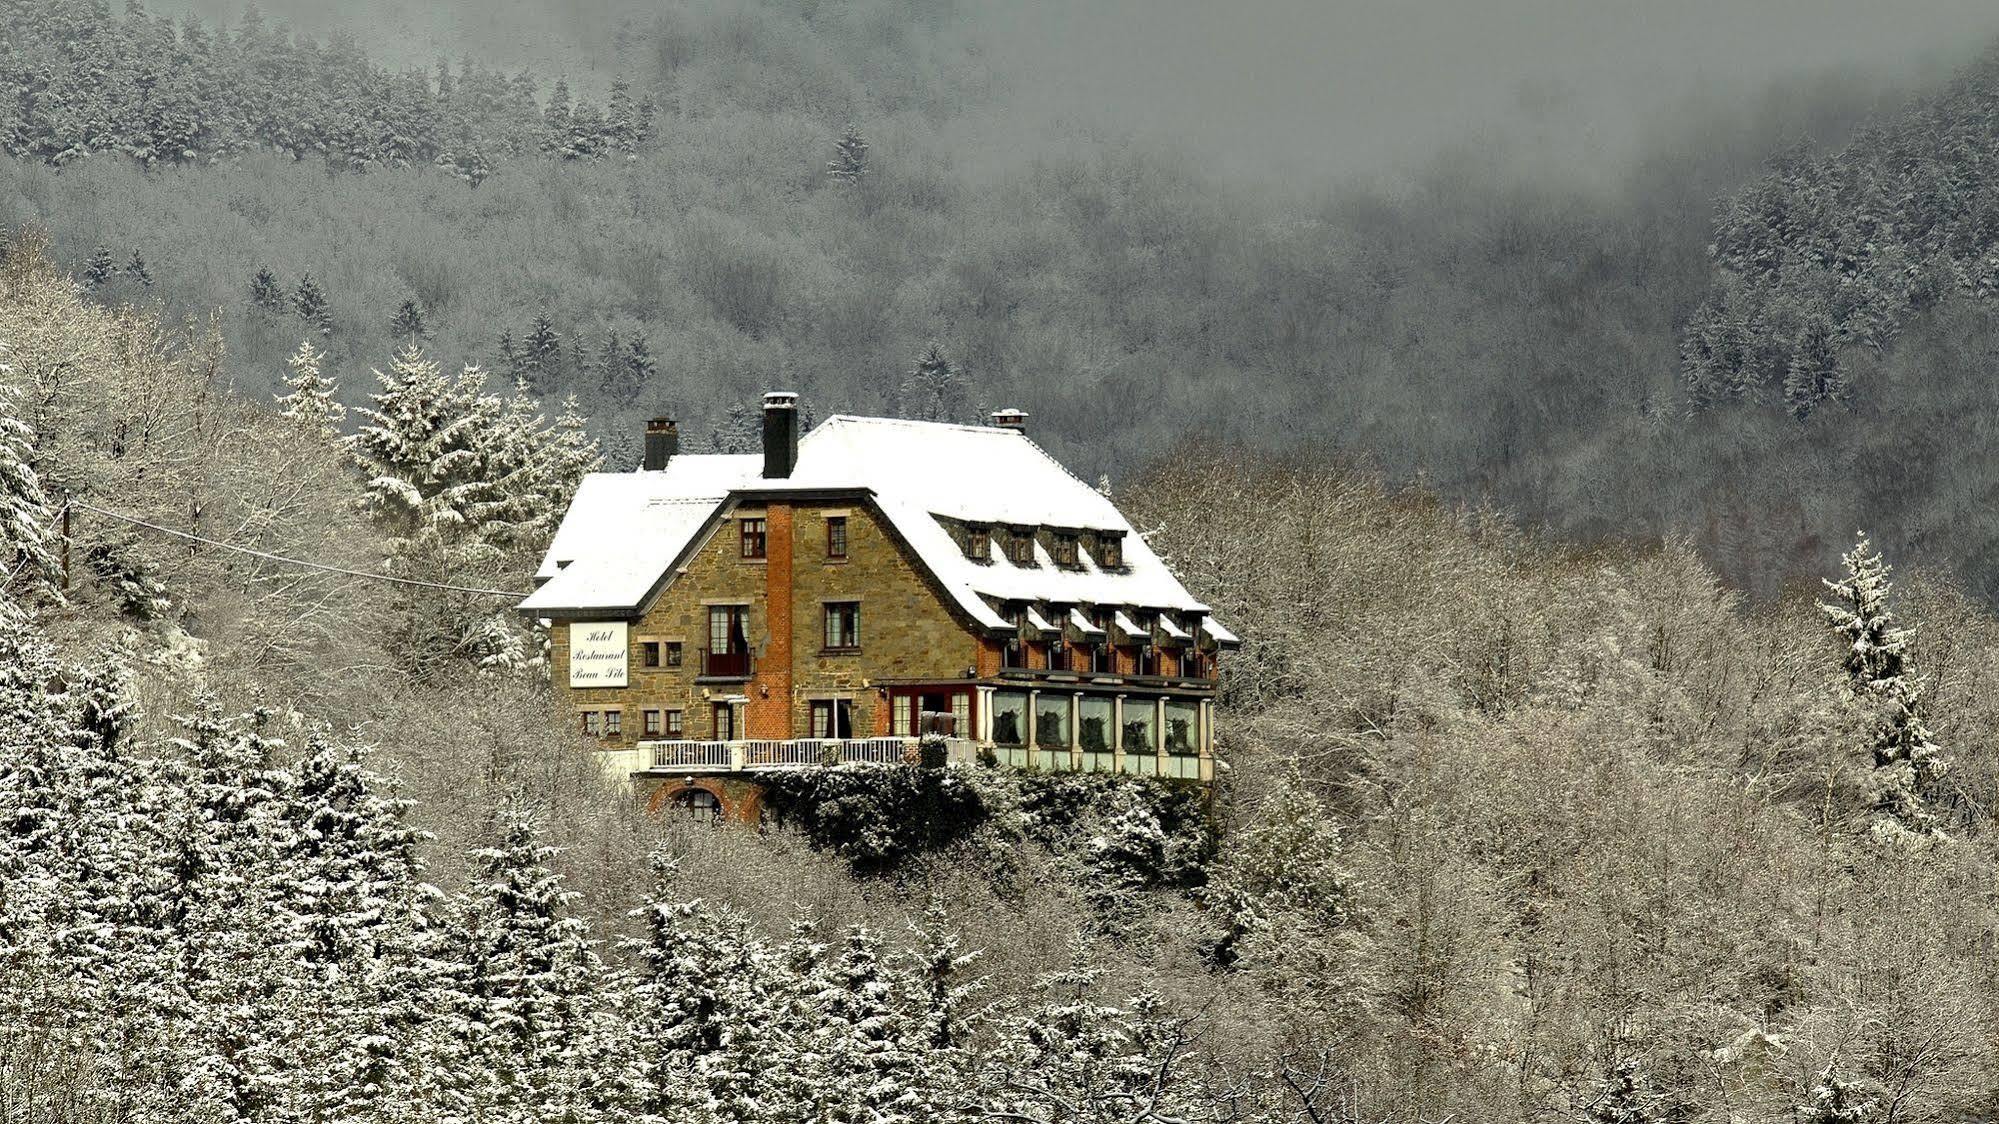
906 631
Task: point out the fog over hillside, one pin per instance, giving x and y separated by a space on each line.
1289 92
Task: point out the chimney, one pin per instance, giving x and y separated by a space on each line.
780 434
1011 418
662 442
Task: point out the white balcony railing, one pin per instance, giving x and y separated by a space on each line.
754 754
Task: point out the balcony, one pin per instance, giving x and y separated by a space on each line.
753 755
725 665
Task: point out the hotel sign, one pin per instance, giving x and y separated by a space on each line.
597 654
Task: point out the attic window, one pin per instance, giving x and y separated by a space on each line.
1064 551
753 538
1110 550
978 543
1020 546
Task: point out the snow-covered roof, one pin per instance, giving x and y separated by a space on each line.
1084 624
625 529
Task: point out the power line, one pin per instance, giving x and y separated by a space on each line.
269 557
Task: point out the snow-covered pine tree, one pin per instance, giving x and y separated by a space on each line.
932 389
1813 375
408 322
621 125
1622 1097
641 370
1073 1057
850 157
310 399
265 292
555 119
944 992
529 998
1906 760
98 271
541 356
309 301
1835 1100
865 1054
1280 891
28 546
135 268
351 918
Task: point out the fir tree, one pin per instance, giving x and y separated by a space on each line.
265 292
100 269
408 322
850 157
641 370
27 524
310 303
135 268
541 358
1835 1100
310 399
1623 1098
931 388
1906 761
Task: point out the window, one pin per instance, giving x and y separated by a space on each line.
836 536
614 723
673 656
1020 546
650 723
728 642
649 653
1138 734
904 716
754 539
979 544
1051 723
1065 549
1010 717
592 723
1110 551
843 625
676 724
1093 729
832 718
1183 720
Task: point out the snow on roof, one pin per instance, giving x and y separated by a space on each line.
631 526
1039 623
1220 635
1124 625
1167 626
1084 624
624 529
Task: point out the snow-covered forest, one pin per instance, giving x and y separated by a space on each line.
1511 829
1603 775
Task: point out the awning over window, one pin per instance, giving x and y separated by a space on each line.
1130 630
1083 624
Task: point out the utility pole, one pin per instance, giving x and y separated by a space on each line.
65 540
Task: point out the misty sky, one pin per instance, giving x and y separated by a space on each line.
1304 88
1299 91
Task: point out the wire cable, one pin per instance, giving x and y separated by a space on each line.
269 557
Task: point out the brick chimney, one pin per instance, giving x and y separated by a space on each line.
662 442
1011 418
780 434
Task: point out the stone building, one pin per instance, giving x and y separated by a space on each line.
839 596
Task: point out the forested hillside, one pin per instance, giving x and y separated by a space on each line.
1505 339
1510 830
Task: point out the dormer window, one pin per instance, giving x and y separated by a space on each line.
1064 548
1020 546
1110 550
979 543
